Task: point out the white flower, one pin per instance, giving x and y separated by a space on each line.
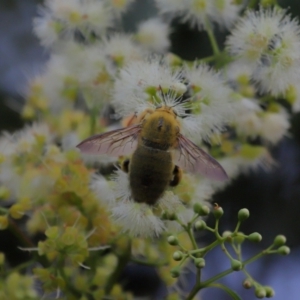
137 219
274 126
61 19
69 141
225 12
137 78
25 139
169 202
119 6
121 49
121 186
104 192
193 11
237 73
45 28
247 122
141 219
247 159
211 102
197 12
153 34
269 40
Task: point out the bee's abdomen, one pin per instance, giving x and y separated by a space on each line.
150 174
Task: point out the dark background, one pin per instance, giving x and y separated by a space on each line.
273 198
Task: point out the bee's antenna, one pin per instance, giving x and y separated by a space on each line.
163 95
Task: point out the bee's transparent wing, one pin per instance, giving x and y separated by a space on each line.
114 143
191 158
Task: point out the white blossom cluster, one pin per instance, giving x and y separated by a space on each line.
199 12
134 73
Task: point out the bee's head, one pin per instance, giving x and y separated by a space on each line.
167 109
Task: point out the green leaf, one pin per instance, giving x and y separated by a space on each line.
229 291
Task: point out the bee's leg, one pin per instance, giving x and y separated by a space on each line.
177 174
125 165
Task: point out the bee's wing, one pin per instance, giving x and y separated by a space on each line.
114 143
191 158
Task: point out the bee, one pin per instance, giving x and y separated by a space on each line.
159 152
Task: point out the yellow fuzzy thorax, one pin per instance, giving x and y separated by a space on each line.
161 126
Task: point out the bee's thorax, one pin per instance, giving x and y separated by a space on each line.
160 130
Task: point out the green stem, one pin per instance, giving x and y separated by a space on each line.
192 238
123 259
254 258
206 249
69 286
215 278
196 287
237 227
212 38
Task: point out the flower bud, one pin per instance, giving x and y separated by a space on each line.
269 291
17 211
218 212
227 234
279 240
260 292
284 250
236 265
239 238
175 272
4 192
177 255
201 210
172 240
199 262
247 284
52 232
254 237
3 222
200 224
205 210
243 214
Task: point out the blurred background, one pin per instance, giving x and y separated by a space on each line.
273 198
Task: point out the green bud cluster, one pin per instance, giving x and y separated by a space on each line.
218 212
236 265
69 244
199 262
17 286
255 237
234 238
177 255
243 214
172 240
200 225
49 279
